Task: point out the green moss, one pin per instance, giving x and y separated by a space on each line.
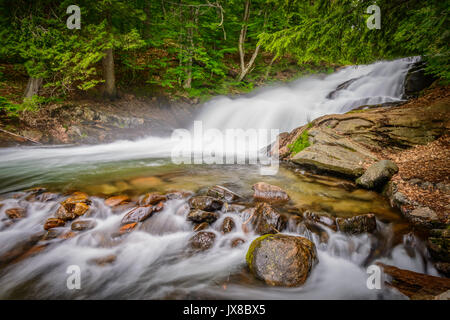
255 243
301 143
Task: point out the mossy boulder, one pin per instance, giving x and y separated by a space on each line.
281 260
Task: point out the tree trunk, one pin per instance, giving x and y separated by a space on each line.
108 74
33 87
246 68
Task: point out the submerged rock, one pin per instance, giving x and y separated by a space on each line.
202 240
103 261
200 216
265 219
75 206
222 193
205 203
377 174
127 228
357 224
80 225
322 218
281 260
16 213
139 214
237 242
269 193
53 223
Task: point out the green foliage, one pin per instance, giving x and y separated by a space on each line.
301 143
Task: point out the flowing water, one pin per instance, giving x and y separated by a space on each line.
153 262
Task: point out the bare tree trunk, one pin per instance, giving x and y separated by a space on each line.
33 87
246 68
190 35
109 75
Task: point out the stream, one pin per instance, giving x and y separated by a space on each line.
153 262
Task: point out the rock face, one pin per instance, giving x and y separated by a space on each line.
199 216
331 152
346 144
377 174
202 240
439 246
222 193
281 260
266 219
416 80
357 224
205 203
269 193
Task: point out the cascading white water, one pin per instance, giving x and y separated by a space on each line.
153 262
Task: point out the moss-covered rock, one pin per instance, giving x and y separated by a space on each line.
377 174
281 260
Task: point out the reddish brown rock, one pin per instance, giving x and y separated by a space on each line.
152 198
53 223
103 261
357 224
127 228
222 193
269 193
16 213
237 242
117 200
415 285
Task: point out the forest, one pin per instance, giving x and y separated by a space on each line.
204 48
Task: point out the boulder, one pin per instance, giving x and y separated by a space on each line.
322 218
377 174
80 225
264 219
75 206
281 260
222 193
227 225
269 193
199 216
202 240
439 244
205 203
357 224
333 153
16 213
